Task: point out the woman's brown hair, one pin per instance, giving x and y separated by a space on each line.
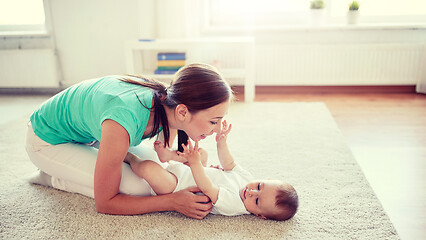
197 86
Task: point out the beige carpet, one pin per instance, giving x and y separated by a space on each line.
297 142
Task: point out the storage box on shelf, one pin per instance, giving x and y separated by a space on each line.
234 57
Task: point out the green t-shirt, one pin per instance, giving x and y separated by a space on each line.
76 114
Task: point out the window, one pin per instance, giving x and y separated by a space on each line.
378 8
256 13
22 15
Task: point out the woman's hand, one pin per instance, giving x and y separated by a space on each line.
187 202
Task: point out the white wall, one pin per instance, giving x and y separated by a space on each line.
363 55
90 35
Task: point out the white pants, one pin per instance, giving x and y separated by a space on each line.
72 166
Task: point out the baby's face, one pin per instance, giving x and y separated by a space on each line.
259 197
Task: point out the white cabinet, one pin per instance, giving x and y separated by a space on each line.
234 57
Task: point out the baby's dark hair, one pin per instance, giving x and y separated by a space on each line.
287 201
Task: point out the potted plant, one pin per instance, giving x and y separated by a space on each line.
353 13
317 12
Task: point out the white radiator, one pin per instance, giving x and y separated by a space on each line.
28 68
339 64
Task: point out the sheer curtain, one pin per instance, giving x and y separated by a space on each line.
178 18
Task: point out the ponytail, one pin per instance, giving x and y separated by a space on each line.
160 117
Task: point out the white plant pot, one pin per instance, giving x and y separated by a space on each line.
352 17
317 17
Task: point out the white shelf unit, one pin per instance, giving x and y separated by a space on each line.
234 56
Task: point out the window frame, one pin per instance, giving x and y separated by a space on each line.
30 30
301 21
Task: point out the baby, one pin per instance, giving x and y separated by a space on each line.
229 188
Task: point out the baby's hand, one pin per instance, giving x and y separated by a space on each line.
223 132
190 153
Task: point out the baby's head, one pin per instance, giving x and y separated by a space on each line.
270 199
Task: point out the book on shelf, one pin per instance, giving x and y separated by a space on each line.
171 56
157 71
169 68
170 63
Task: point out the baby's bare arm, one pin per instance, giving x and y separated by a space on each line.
225 157
203 182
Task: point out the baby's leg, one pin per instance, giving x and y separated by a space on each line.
160 180
165 154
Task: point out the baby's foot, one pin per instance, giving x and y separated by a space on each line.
164 154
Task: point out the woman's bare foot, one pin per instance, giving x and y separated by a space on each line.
41 178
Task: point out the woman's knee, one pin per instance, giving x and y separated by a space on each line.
71 162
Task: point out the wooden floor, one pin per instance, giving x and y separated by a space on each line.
387 135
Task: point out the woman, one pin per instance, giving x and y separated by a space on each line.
120 113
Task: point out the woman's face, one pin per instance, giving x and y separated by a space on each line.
206 122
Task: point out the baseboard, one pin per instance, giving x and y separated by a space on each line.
328 89
29 91
262 89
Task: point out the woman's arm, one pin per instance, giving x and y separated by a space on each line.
112 150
